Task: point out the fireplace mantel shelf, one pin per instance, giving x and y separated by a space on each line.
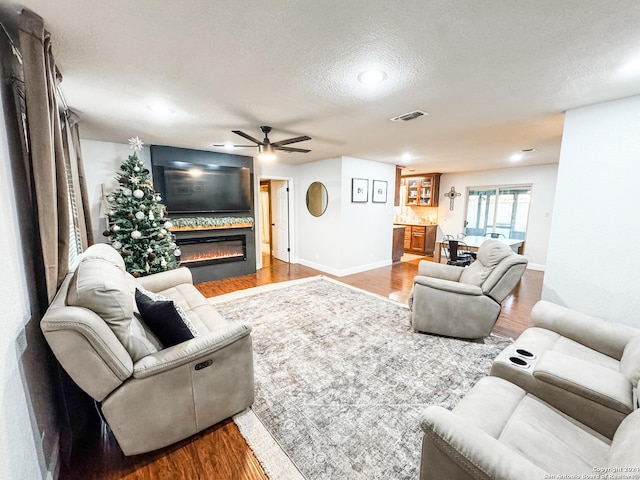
218 227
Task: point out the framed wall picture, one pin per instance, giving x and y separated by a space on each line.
359 190
379 194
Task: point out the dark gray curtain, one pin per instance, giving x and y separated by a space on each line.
55 156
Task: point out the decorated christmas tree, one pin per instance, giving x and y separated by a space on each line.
138 227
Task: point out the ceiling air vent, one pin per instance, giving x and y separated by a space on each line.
409 116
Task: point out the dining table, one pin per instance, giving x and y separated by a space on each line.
473 242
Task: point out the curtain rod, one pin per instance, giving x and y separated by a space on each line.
18 55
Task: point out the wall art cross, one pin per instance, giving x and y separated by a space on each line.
452 194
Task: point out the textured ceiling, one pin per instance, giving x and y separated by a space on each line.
495 76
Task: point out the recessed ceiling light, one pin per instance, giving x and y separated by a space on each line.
516 157
632 67
369 77
406 156
229 146
161 108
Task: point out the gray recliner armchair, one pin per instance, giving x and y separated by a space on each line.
465 302
150 394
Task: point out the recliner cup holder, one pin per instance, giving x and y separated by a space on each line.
525 354
518 362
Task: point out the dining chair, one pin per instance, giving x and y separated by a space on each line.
457 252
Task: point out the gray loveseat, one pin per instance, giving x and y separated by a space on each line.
150 396
565 407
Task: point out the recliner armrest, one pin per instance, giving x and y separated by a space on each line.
447 286
605 337
165 280
440 270
189 351
472 449
599 384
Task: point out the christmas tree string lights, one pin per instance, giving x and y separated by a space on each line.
138 227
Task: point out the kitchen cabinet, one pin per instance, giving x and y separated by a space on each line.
423 190
420 239
398 242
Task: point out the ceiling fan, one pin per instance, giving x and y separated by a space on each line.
266 148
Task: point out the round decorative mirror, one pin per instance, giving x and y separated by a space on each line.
317 199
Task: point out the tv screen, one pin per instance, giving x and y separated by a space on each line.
194 188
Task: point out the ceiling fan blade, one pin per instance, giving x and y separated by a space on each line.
290 140
248 137
290 149
234 146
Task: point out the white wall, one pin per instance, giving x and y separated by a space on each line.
102 161
543 179
21 452
349 237
367 228
592 262
318 239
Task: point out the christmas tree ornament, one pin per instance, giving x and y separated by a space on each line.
131 216
134 180
158 197
163 262
136 169
111 213
120 200
140 215
138 193
110 198
151 217
177 252
163 231
123 180
142 206
168 224
115 228
126 192
155 224
161 236
117 245
106 233
136 274
136 235
152 256
125 253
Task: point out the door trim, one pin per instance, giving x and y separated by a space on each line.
291 212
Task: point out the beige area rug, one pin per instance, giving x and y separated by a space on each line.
341 380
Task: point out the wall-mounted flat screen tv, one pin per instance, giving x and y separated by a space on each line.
191 188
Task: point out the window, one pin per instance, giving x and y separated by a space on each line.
502 210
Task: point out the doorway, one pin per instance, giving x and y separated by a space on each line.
275 221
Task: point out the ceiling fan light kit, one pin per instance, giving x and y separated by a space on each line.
266 152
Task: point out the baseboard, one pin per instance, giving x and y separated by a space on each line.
536 266
342 272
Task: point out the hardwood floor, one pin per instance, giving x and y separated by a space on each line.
220 452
